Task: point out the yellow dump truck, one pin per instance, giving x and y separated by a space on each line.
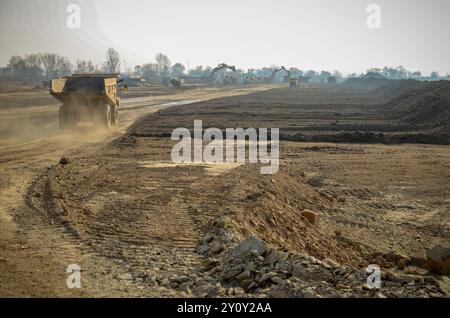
87 98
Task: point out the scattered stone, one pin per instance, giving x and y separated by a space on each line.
126 276
222 221
329 263
64 161
317 181
231 274
216 248
250 243
203 249
438 259
276 279
300 271
246 283
264 277
312 217
271 258
243 276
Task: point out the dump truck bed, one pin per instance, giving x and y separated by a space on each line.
92 86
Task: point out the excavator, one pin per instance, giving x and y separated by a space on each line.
293 82
272 77
218 68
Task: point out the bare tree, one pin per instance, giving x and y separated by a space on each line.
90 67
163 63
17 66
85 66
49 63
63 66
33 64
81 66
112 63
177 69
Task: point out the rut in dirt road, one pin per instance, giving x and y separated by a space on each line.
140 223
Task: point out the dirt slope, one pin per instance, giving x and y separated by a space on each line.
427 106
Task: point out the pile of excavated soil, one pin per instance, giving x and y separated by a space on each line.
395 88
429 105
365 83
270 208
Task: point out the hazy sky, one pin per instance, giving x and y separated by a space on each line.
310 34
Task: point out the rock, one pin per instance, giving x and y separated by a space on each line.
181 279
246 283
276 279
301 272
329 263
231 274
312 217
281 291
271 258
64 161
210 263
216 248
243 276
438 259
254 253
222 222
402 263
203 249
126 276
430 280
317 181
264 277
340 271
309 293
250 243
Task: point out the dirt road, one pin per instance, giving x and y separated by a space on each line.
35 253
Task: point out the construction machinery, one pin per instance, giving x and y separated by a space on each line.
218 68
175 82
272 77
87 97
293 81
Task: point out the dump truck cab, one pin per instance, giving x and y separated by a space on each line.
87 98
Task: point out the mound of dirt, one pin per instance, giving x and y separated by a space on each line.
429 105
366 83
271 208
396 88
383 87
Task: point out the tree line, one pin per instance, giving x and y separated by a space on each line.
45 66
